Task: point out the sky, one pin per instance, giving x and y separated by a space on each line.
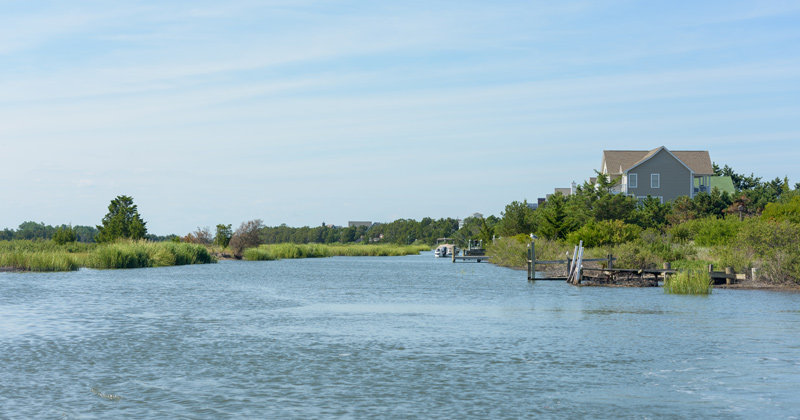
303 112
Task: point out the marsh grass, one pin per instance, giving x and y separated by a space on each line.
25 260
140 254
48 256
689 282
383 250
295 251
258 254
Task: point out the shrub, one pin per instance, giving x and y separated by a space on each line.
789 211
605 232
247 236
508 252
712 231
772 245
650 250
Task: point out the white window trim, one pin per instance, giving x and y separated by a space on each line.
655 180
632 180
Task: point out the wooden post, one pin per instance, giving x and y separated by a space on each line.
533 260
667 266
528 253
571 264
610 264
579 268
729 272
453 254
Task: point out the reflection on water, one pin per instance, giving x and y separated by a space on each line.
395 337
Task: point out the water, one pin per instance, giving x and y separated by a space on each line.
395 338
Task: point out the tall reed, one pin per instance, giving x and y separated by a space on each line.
25 260
139 254
689 282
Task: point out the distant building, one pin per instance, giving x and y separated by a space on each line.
356 224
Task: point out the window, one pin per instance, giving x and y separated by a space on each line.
631 180
655 181
640 199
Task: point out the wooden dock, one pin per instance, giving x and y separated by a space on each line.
608 275
470 258
569 263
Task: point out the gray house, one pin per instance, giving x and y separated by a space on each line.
660 173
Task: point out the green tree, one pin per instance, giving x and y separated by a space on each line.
554 222
486 232
740 181
517 218
33 230
122 221
653 214
64 234
223 235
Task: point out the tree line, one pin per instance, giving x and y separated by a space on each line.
594 206
594 211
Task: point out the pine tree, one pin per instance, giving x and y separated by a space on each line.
122 221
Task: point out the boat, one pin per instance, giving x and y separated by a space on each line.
442 252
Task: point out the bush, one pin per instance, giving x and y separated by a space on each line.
789 211
774 246
650 250
508 252
605 232
712 231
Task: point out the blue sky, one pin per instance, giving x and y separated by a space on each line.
300 112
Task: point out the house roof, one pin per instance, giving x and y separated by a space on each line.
618 161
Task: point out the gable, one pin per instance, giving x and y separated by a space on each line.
621 161
661 157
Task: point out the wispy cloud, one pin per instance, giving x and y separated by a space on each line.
292 98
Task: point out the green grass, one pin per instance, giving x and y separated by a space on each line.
689 282
26 260
258 254
294 251
48 256
140 254
383 250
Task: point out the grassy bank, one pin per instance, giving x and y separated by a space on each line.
48 256
772 247
140 254
293 251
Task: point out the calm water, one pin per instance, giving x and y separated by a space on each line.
400 337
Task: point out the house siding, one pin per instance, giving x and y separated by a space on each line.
675 178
